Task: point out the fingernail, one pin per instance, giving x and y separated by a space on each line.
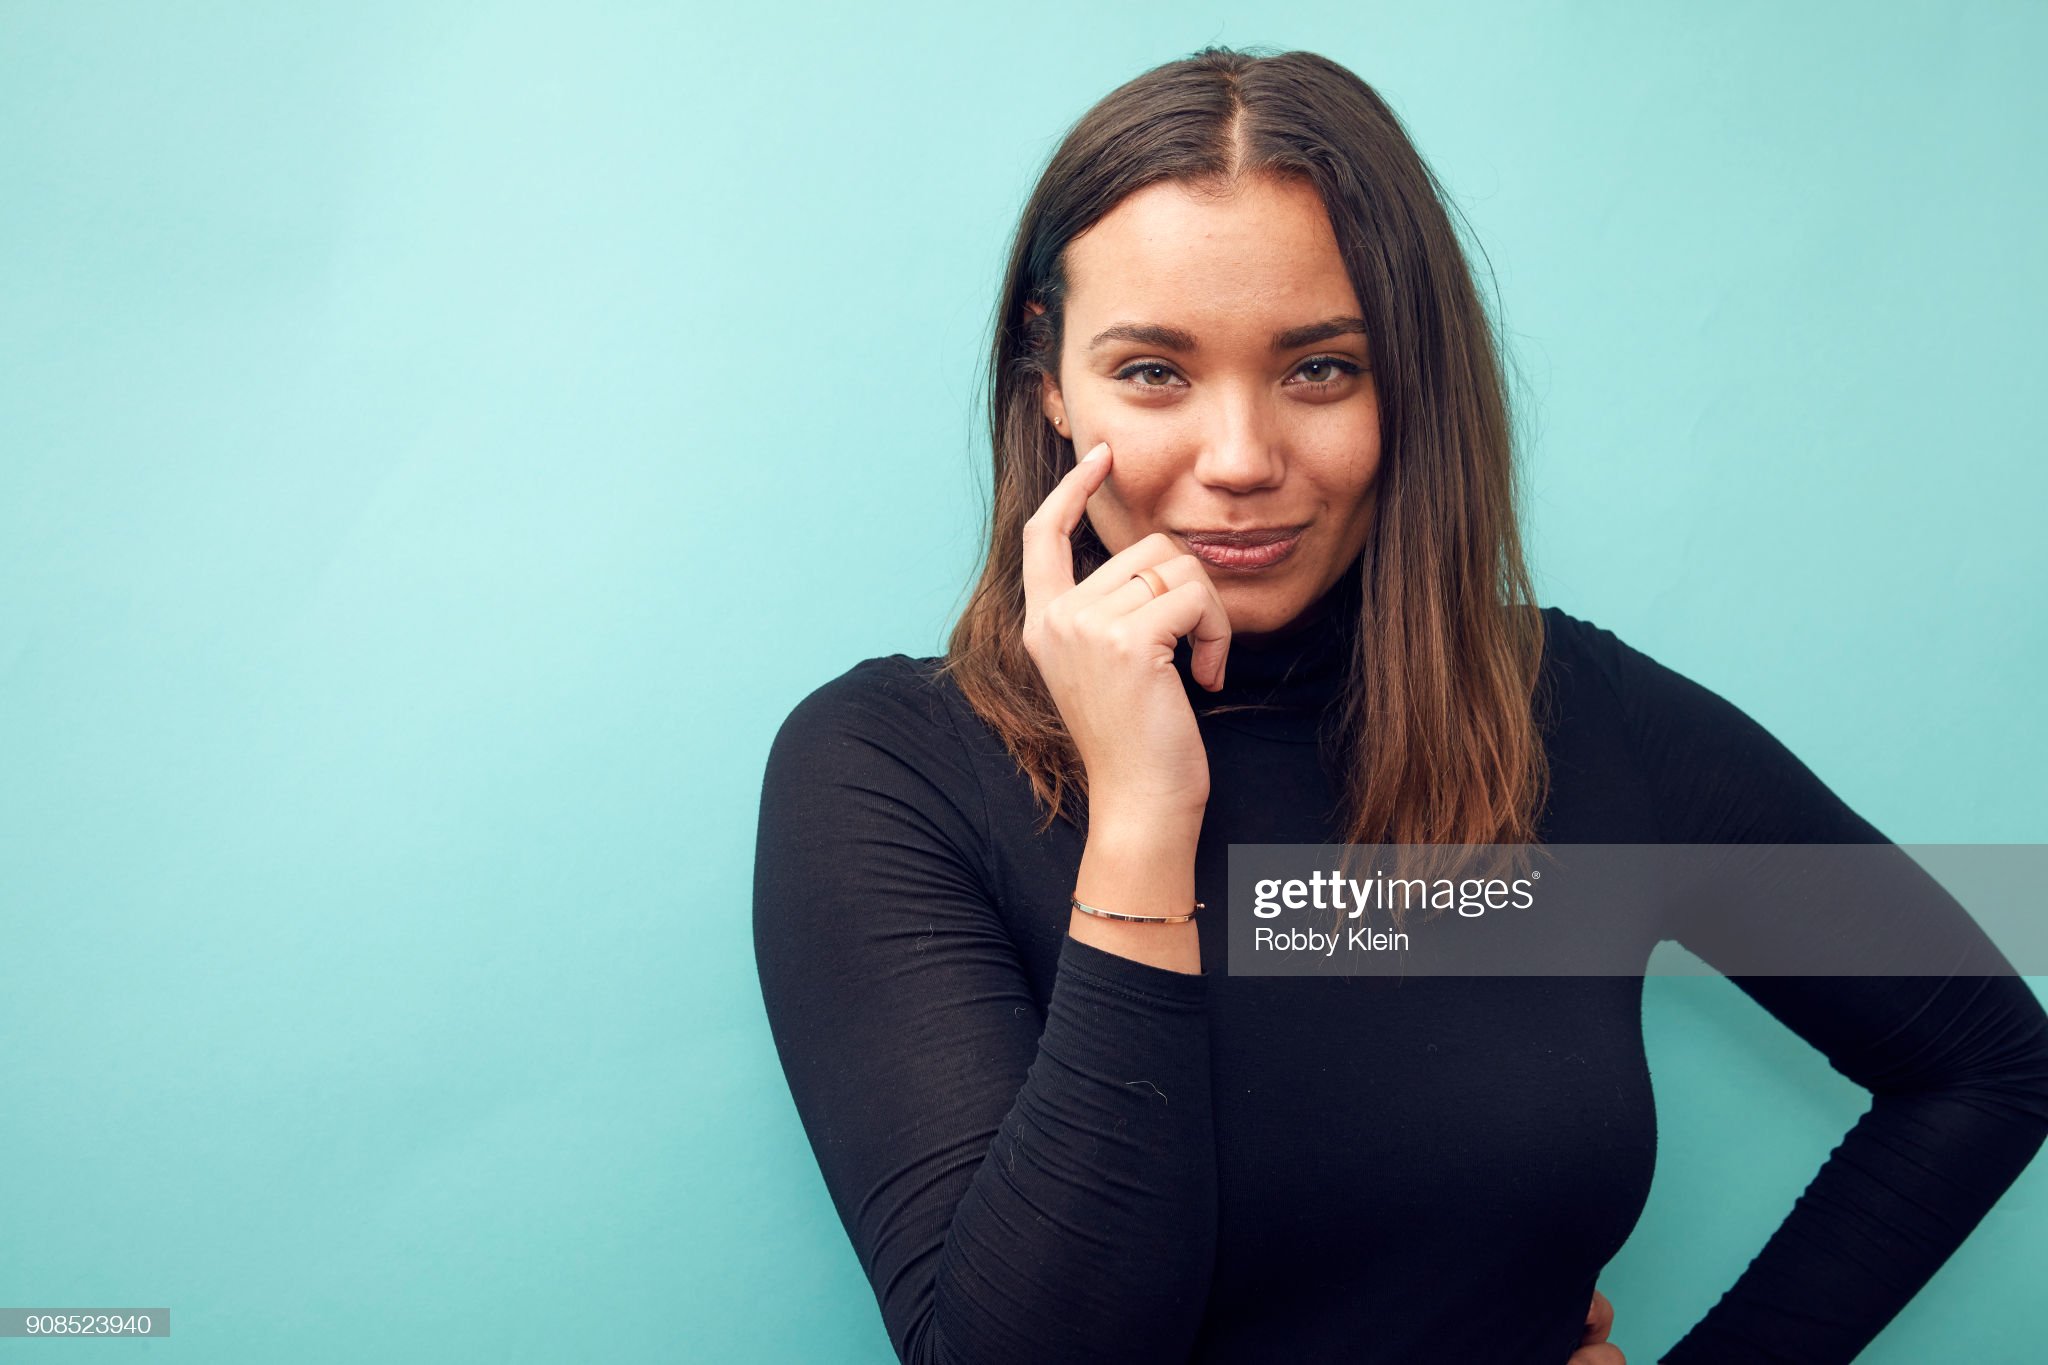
1101 449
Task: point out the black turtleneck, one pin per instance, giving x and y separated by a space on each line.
1274 682
1044 1151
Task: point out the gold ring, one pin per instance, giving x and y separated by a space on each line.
1153 581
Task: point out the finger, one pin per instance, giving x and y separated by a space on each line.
1117 572
1599 1319
1048 547
1121 593
1191 609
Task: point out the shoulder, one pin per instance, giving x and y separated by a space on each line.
885 725
1603 670
869 769
1576 645
889 688
1717 772
1588 674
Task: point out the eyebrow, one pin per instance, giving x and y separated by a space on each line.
1176 339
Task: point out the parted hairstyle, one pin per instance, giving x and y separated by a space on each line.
1438 725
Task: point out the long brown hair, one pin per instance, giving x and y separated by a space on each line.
1438 718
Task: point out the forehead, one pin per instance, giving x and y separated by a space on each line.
1266 256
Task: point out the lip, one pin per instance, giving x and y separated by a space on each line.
1250 535
1249 550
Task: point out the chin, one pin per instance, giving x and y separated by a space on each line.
1260 607
1252 610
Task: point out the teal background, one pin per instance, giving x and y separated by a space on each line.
439 443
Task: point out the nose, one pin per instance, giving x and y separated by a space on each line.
1240 447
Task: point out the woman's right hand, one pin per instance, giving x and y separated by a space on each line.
1105 649
1594 1347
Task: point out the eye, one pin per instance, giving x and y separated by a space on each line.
1129 372
1344 369
1333 369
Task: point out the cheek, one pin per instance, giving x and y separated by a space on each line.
1124 508
1354 461
1145 458
1140 477
1346 477
1151 455
1349 440
1138 435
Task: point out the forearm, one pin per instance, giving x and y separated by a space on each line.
1140 864
1088 1232
1019 1186
1913 1177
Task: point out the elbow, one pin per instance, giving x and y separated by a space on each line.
2018 1079
1997 1063
920 1344
2009 1084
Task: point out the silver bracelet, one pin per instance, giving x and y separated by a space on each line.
1142 919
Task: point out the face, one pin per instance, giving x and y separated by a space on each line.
1177 352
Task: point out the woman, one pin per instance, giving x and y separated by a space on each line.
1284 601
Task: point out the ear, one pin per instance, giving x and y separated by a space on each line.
1049 400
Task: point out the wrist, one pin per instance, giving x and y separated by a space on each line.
1144 826
1147 872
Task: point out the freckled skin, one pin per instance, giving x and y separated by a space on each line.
1232 433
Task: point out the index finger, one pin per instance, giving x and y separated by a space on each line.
1048 551
1599 1320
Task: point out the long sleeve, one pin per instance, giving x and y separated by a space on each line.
1957 1066
1017 1188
